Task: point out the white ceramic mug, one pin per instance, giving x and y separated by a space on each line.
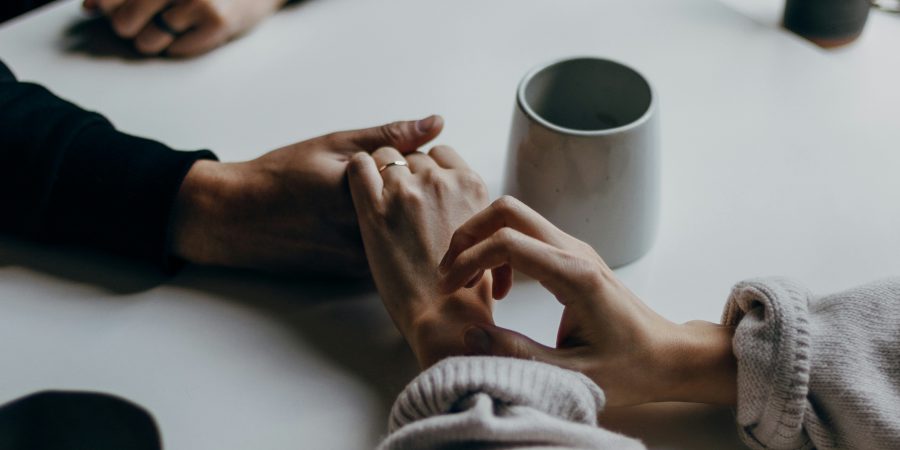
584 153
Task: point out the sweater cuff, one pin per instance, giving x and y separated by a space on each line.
557 392
772 347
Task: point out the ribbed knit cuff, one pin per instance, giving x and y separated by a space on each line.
558 392
772 347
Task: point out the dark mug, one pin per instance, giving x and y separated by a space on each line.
827 23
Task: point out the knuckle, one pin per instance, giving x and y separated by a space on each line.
173 20
382 150
437 149
392 132
146 48
410 195
123 27
583 271
436 178
472 182
506 204
149 44
506 237
357 164
586 249
107 6
462 240
470 179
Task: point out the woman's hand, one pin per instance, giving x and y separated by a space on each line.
288 210
606 332
182 27
406 216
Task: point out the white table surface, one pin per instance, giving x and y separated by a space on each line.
779 159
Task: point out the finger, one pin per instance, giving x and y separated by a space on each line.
532 257
383 157
366 183
405 136
504 212
471 283
109 6
90 5
447 158
491 340
183 15
152 41
196 41
129 19
503 280
420 162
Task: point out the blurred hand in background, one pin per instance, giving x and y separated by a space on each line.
182 27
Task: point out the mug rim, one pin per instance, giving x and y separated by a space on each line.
526 108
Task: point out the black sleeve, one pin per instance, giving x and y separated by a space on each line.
67 176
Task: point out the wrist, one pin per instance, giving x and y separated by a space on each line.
438 330
200 219
699 365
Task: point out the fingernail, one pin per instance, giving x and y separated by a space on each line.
477 341
425 125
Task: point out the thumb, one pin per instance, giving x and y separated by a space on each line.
495 341
406 136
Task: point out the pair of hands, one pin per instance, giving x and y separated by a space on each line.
440 255
184 27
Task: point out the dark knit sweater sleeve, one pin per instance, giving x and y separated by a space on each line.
68 176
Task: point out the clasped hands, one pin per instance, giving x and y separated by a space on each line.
440 254
181 27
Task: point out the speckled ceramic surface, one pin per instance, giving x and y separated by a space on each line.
584 153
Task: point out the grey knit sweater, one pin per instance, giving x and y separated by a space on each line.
812 373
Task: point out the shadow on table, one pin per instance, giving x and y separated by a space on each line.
346 324
94 36
109 273
341 319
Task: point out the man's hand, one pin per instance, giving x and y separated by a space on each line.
182 27
289 210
